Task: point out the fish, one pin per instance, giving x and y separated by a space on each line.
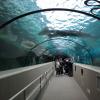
73 33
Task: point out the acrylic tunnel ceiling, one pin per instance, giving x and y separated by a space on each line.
51 27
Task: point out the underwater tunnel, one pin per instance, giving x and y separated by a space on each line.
36 32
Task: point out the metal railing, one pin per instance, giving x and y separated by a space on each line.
24 83
39 86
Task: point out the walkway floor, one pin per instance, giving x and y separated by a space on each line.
62 88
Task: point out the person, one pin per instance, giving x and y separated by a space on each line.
61 66
70 68
57 67
66 65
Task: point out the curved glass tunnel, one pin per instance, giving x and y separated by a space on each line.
33 32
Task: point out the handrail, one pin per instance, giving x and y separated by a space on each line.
90 67
30 81
13 97
24 89
8 73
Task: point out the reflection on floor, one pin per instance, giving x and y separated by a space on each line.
62 88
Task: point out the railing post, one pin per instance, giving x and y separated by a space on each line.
40 82
24 95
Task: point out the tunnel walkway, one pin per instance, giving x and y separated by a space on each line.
62 88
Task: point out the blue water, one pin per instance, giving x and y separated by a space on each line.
19 37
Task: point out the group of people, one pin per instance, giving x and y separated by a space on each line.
64 66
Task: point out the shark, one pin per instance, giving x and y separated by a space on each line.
73 33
